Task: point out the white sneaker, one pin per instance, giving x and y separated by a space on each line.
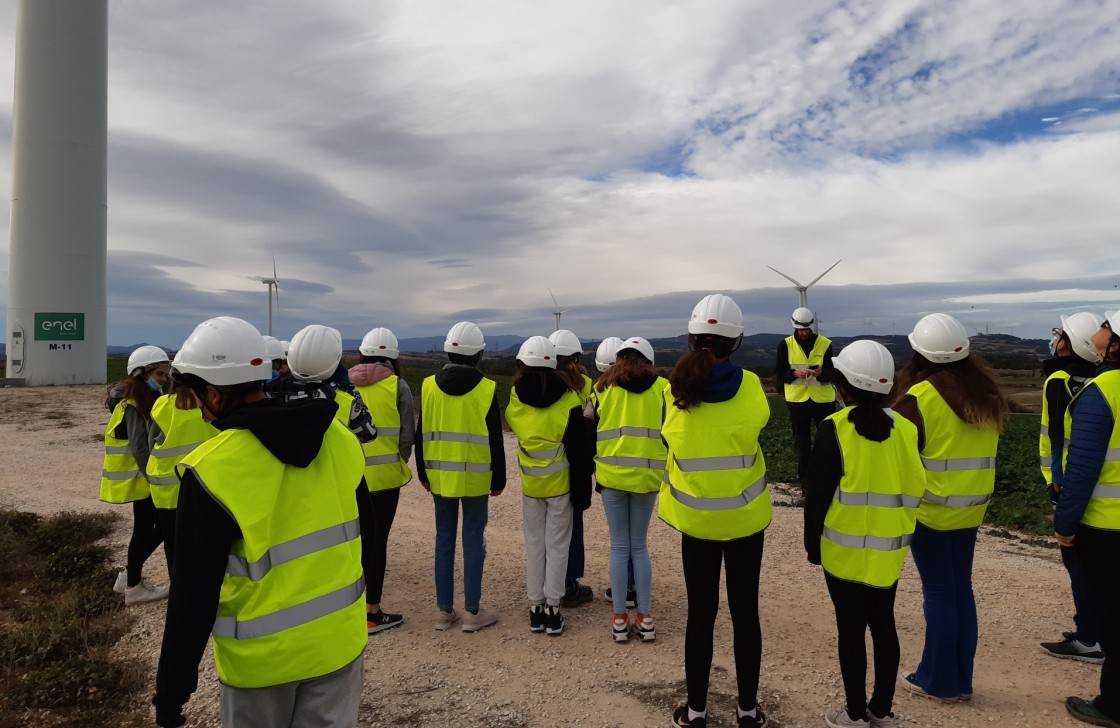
144 592
837 717
887 721
475 622
121 583
444 620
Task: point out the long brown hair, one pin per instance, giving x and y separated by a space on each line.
694 371
185 398
968 387
624 370
571 371
136 389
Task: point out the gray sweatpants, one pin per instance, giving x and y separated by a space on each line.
548 531
330 701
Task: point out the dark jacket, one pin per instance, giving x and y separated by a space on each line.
293 433
457 380
1088 445
783 375
1057 399
580 465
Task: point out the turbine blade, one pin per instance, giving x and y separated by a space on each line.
783 275
274 265
822 275
554 303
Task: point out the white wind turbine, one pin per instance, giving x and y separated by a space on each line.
557 311
803 291
273 284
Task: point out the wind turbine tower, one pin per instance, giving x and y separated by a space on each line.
557 311
273 284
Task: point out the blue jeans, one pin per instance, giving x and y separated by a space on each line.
628 515
944 561
475 515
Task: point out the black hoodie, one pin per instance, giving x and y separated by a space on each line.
293 433
580 465
1057 400
457 380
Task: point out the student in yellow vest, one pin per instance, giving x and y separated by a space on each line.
865 483
176 429
714 492
629 467
461 460
569 349
269 554
123 477
377 378
1066 374
547 418
952 398
281 374
803 368
1088 513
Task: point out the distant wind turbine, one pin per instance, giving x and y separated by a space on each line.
273 284
804 290
557 311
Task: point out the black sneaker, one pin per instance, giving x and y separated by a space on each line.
1072 648
1087 711
536 618
382 621
577 595
631 598
553 622
758 721
680 719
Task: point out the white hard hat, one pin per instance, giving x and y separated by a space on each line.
1080 328
274 347
940 338
144 357
802 318
716 314
315 353
605 354
566 342
464 338
380 342
639 345
224 351
867 365
537 351
1113 319
286 345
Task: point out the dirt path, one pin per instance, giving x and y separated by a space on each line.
505 676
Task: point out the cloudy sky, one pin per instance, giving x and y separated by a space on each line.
414 163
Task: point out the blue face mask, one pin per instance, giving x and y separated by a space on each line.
1052 352
154 385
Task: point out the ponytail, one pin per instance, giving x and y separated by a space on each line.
694 371
867 415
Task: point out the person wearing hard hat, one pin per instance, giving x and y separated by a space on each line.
547 418
461 461
269 555
629 466
123 478
281 374
1066 374
714 492
952 398
379 384
569 349
1088 513
803 368
864 485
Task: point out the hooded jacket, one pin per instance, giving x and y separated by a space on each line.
457 380
580 464
364 375
293 433
1057 400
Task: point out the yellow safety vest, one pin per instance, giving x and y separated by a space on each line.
1103 509
870 521
181 431
1045 456
121 479
540 436
585 392
292 604
714 486
385 468
456 441
629 451
811 388
960 463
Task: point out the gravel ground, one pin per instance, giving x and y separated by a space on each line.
505 676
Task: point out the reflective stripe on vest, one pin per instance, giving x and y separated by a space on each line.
455 439
387 459
541 471
1103 509
876 543
122 481
959 461
291 617
545 454
628 432
709 501
882 500
811 388
174 452
629 452
177 433
540 453
291 550
623 461
1045 454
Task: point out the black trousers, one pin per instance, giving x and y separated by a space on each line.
375 547
803 416
166 519
702 561
860 607
576 555
146 537
1100 551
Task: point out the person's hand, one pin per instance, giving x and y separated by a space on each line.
800 373
426 486
1066 541
495 492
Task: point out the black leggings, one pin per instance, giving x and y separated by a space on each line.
146 536
860 607
1099 551
166 519
375 544
702 562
